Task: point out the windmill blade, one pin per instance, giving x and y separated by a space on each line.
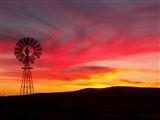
22 42
22 59
34 43
31 61
37 46
19 45
37 55
18 53
32 58
16 49
34 46
19 56
31 41
26 41
39 52
38 49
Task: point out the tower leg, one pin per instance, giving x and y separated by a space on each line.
27 82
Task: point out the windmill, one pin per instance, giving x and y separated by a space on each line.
27 50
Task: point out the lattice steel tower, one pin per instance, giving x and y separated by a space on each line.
27 50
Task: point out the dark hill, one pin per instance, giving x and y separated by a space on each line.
116 103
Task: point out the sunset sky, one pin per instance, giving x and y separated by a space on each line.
86 43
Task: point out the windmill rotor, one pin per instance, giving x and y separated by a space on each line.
34 50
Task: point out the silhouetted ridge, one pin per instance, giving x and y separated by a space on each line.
115 103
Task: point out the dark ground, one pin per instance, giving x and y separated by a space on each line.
116 103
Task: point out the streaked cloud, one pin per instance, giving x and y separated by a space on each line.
85 43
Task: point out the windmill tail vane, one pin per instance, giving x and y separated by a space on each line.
27 50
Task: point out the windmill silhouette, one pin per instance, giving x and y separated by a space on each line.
27 50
